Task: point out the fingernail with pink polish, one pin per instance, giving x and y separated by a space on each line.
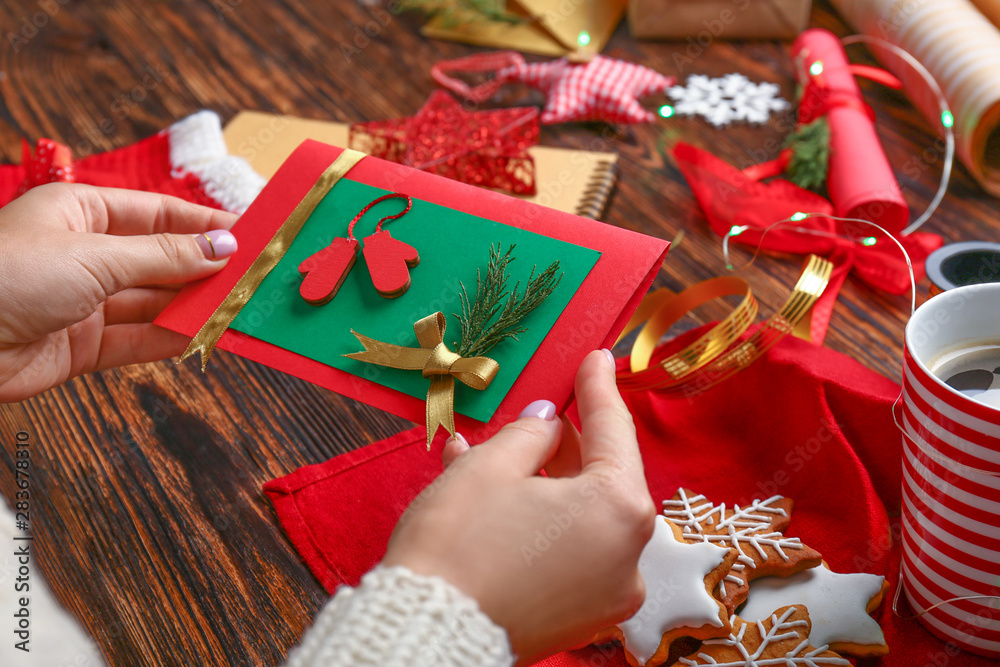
611 357
541 409
460 439
216 244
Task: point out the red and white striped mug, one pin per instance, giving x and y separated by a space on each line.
951 471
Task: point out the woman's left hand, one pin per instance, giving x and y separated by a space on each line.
83 272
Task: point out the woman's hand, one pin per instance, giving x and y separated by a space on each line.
551 559
83 272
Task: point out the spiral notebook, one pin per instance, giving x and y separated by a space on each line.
573 181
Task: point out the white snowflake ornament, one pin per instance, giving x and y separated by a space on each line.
726 100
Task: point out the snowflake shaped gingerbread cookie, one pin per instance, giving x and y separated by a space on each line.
779 641
754 531
728 99
679 579
838 605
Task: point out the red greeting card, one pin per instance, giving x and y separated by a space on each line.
604 272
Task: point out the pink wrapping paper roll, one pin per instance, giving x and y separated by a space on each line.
961 49
861 182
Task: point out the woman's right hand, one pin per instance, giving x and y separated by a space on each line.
551 559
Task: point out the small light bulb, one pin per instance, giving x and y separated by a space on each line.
816 68
735 230
799 216
666 111
583 39
869 240
947 119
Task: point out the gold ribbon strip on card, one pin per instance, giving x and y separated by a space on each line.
437 363
210 333
719 353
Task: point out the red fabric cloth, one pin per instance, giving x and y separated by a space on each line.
803 421
144 165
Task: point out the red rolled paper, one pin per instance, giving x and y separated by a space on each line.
860 180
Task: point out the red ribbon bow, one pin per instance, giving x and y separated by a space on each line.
730 199
51 163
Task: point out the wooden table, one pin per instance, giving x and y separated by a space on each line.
148 516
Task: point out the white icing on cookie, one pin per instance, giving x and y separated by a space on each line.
837 604
674 573
782 630
748 527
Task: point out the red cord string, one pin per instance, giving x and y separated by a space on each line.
477 63
378 227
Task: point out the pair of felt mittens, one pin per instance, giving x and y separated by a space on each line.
389 260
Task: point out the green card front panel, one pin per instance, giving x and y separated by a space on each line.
452 246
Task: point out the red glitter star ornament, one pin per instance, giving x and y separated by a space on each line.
597 88
487 148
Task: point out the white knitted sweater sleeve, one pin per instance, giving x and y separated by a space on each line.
398 618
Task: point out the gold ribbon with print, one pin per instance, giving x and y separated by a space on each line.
210 333
718 353
436 362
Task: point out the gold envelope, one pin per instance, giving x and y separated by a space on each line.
551 28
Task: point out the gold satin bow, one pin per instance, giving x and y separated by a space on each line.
436 362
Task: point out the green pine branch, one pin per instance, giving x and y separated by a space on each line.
810 161
496 313
459 12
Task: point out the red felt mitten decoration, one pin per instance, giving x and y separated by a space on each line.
324 272
389 261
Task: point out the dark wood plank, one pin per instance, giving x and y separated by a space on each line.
148 515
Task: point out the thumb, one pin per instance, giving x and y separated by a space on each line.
524 446
155 259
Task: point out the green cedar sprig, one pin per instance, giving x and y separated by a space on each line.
497 312
454 13
810 161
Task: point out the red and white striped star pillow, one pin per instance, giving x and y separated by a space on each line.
602 89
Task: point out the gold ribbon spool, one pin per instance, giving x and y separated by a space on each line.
210 333
435 361
714 356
